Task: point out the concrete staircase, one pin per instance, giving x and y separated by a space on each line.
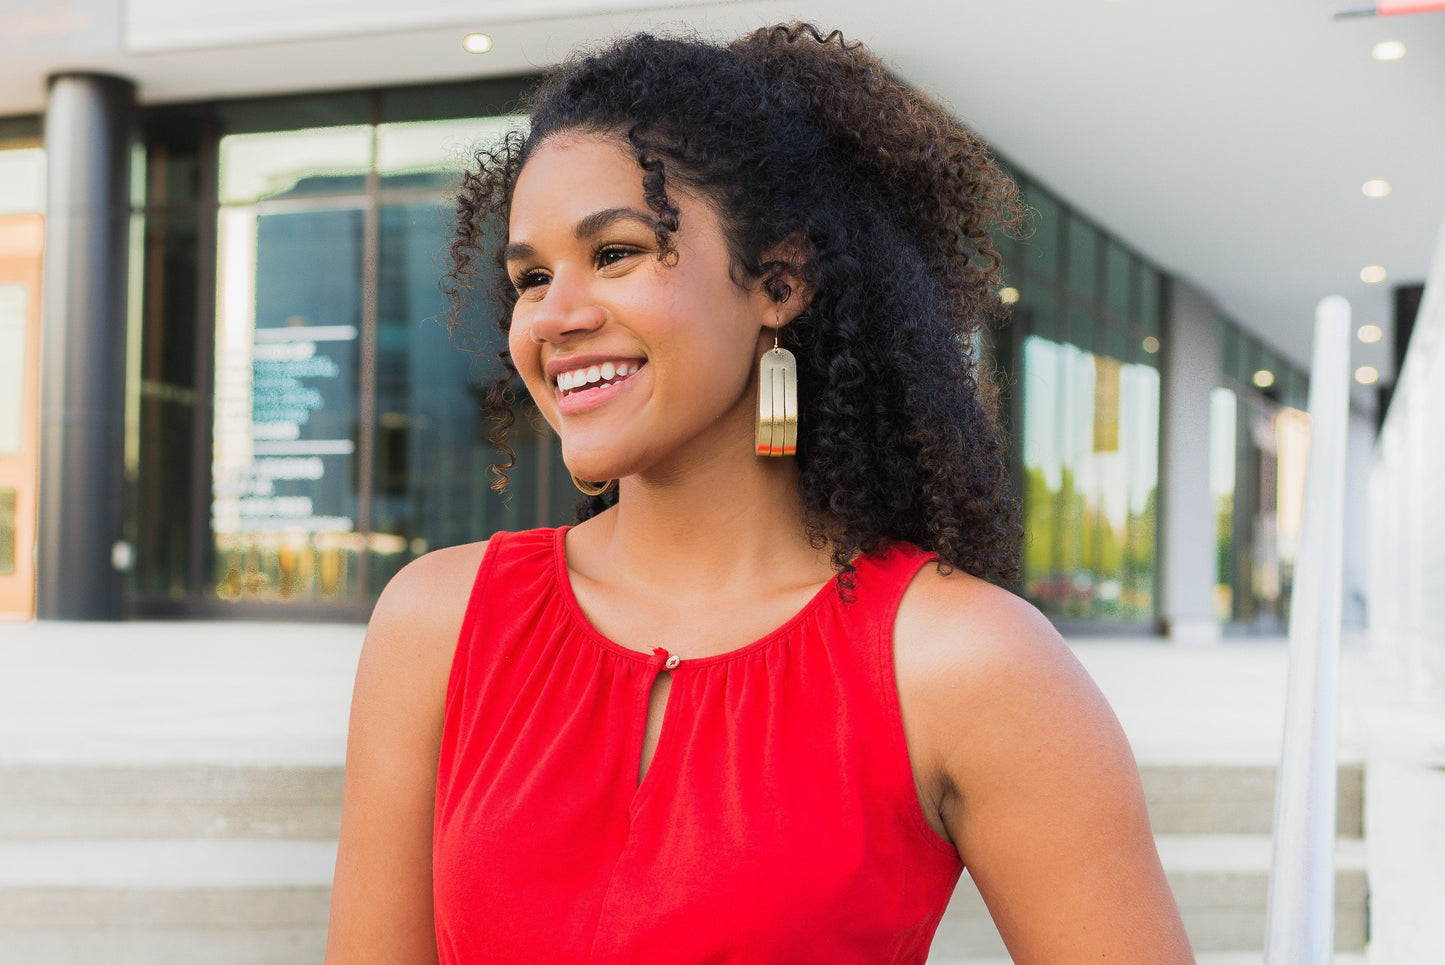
166 864
1212 824
225 865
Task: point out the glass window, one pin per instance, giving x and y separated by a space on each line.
1148 302
22 181
294 163
1090 442
286 501
14 318
1083 258
7 531
433 153
1118 280
1223 419
1039 252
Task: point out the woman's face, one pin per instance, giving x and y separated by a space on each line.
638 365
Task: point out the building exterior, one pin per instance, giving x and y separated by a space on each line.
246 401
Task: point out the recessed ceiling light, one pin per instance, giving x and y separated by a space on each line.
476 43
1367 375
1008 295
1376 188
1372 274
1370 333
1388 50
1151 344
1264 378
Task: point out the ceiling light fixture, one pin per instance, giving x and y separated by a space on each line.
1370 333
476 43
1388 50
1151 344
1367 375
1264 378
1372 274
1376 188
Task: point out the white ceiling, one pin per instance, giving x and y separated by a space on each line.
1226 140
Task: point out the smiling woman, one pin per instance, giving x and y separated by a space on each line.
747 709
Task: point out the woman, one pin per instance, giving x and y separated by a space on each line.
763 703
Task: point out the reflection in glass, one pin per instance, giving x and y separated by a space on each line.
436 149
257 166
432 456
1090 439
284 478
1222 421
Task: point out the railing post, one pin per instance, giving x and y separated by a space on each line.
1300 921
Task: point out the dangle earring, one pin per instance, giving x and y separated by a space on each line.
593 489
777 424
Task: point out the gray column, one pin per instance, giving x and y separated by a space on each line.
89 124
1186 532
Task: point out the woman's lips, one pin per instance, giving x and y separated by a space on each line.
575 395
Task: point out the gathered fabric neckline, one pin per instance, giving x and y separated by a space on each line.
575 612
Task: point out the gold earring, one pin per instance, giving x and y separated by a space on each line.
593 489
777 425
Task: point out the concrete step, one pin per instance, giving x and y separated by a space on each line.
159 893
62 801
1205 798
164 901
201 859
1220 882
87 801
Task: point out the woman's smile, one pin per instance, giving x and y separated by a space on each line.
583 384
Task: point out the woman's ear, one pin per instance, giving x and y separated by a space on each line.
785 277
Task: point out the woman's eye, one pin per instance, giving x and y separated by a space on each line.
612 255
528 279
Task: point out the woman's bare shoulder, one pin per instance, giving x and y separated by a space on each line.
985 680
959 630
423 606
1030 775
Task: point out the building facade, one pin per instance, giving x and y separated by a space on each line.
293 418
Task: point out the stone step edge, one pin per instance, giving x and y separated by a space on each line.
167 864
231 862
1202 853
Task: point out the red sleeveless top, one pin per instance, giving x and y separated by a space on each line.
777 823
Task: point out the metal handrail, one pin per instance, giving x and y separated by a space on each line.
1300 916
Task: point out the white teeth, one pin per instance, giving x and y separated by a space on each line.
606 372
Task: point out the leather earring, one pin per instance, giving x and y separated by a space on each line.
593 489
777 423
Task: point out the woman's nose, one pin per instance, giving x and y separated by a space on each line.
566 310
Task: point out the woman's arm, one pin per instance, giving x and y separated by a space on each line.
1026 769
381 898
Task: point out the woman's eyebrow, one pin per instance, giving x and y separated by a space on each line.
588 227
599 221
517 251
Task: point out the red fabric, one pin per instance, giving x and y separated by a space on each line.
777 823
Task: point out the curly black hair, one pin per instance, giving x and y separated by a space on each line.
803 141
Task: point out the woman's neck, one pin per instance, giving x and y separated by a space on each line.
733 523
